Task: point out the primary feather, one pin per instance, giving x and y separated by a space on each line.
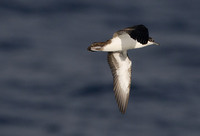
120 66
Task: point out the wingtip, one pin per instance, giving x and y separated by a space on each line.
122 109
89 49
95 47
123 112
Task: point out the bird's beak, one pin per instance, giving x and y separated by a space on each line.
156 43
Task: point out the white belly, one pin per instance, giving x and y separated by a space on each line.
120 43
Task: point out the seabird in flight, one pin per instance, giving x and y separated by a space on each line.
118 60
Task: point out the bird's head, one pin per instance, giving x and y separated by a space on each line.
151 41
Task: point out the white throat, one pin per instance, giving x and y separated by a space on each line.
139 45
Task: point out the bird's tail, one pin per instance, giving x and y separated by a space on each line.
97 46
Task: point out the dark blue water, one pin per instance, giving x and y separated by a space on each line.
51 85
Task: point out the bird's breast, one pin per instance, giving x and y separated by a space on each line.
120 43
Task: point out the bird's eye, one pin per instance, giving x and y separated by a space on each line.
150 39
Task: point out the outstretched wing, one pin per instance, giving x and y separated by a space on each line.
121 70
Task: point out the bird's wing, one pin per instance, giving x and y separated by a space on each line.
121 70
138 32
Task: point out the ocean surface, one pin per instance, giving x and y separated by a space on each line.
50 85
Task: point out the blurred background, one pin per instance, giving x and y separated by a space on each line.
51 85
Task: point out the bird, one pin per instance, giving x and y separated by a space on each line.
123 40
